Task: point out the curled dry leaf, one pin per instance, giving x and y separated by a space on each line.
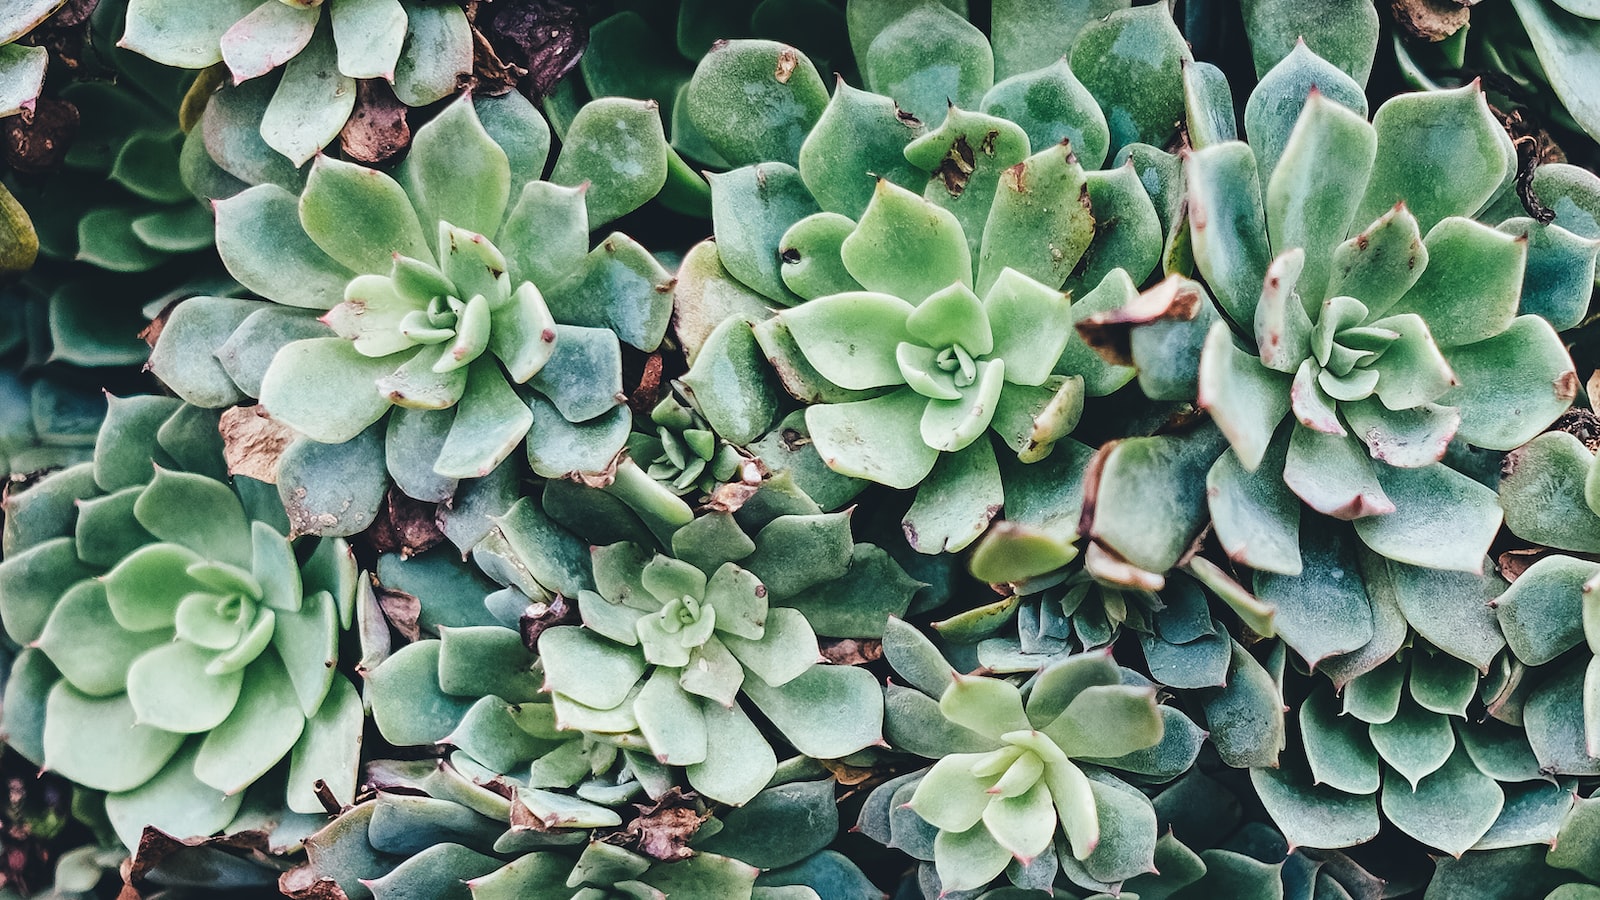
252 442
1430 20
37 140
377 130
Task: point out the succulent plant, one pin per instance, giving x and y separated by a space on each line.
1022 773
1393 378
668 646
322 55
181 647
1362 445
140 173
1403 739
446 324
426 829
685 453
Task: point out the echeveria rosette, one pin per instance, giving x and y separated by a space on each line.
477 689
181 646
1551 497
955 366
1021 771
668 649
467 300
433 831
323 48
1408 737
1383 347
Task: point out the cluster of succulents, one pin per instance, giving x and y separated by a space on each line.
1088 450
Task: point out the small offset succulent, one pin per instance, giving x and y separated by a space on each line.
1021 772
667 647
685 453
169 615
469 301
322 47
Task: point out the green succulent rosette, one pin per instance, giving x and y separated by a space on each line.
947 367
428 830
1377 388
668 647
322 48
685 453
179 646
1022 782
1550 493
468 301
1018 180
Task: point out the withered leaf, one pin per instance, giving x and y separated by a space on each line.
252 442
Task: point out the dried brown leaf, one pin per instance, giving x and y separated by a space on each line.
851 651
378 129
252 442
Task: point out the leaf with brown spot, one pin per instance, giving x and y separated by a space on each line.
252 441
542 616
1176 299
662 830
847 775
1430 20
